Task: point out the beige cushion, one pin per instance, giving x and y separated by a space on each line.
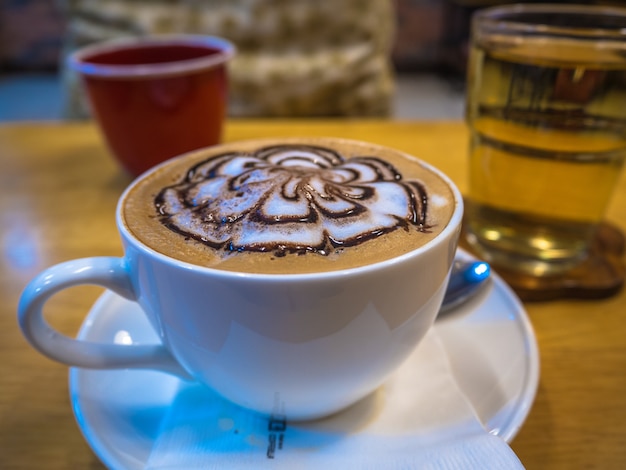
295 57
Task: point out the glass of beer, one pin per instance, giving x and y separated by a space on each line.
546 110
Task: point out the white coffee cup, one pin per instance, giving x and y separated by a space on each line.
302 345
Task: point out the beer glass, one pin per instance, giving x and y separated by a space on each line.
546 110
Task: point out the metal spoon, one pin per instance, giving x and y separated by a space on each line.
466 278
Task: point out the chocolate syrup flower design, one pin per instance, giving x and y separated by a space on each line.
291 199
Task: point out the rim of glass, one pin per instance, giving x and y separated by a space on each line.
78 60
504 18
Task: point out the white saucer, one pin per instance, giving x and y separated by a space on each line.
490 344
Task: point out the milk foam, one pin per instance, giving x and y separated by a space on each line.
291 198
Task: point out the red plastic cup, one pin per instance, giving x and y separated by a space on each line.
156 97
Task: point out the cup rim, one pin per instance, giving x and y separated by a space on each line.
453 226
496 17
77 59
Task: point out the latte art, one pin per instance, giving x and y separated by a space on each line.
291 198
257 206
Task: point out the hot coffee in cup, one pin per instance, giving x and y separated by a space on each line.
291 276
289 206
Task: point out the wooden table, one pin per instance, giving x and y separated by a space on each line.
58 194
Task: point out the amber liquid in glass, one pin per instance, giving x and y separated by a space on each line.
548 139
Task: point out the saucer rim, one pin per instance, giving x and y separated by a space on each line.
528 392
523 400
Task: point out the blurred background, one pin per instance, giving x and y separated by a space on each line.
428 59
428 54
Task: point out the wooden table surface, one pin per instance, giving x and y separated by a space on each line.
58 193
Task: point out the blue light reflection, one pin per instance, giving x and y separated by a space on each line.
20 248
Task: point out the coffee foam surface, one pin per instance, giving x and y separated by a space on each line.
289 206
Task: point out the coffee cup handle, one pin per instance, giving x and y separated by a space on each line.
109 272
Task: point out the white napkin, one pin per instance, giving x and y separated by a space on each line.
409 423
